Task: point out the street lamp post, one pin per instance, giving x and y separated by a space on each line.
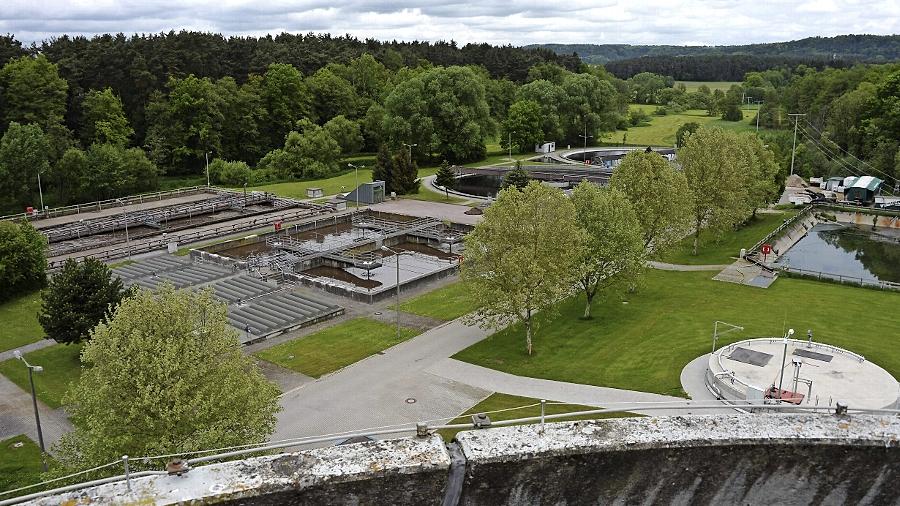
40 191
125 219
585 137
397 256
357 182
758 104
790 332
410 146
206 154
509 143
37 416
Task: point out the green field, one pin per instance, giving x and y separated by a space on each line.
645 343
20 323
661 130
20 466
693 86
728 247
335 347
430 196
61 363
446 303
498 401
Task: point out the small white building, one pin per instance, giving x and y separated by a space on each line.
314 193
547 147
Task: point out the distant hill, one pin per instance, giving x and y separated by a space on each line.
868 48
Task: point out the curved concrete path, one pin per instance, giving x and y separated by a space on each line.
663 266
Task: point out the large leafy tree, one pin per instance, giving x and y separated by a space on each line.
346 133
308 154
23 155
23 259
612 252
443 110
32 92
522 126
659 194
287 100
333 95
165 374
520 257
77 298
717 176
103 119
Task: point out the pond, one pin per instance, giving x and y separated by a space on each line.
848 250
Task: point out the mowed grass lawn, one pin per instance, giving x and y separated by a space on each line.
62 365
335 347
20 323
693 86
446 303
726 248
661 129
509 403
19 466
644 344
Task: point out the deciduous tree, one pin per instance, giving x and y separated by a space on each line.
520 257
612 250
23 155
103 119
165 374
660 196
23 259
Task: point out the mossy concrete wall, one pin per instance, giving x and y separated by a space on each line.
722 459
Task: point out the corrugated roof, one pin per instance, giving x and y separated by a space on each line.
867 182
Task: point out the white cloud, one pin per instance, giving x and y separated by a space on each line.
508 22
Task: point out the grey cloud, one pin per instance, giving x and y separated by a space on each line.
514 21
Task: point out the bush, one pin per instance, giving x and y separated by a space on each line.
661 111
230 173
637 117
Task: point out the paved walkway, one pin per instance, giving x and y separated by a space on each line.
17 415
377 390
574 393
693 379
43 343
680 267
426 209
113 210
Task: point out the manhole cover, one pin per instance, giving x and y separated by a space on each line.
410 400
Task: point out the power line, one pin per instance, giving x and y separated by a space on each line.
869 166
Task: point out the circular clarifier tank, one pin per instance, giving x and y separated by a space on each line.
813 374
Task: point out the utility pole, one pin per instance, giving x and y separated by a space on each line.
758 104
585 137
794 148
41 192
206 154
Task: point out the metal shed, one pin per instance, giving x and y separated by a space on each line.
863 189
367 193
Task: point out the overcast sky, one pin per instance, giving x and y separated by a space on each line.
515 22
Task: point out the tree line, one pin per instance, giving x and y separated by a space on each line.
279 124
867 48
713 67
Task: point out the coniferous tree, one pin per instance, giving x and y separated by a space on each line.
445 177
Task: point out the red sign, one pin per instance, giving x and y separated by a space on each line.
766 249
277 226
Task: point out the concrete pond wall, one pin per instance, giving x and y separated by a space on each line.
718 459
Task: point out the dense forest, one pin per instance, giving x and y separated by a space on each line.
711 67
101 117
858 48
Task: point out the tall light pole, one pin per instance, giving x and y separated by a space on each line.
397 256
585 137
790 332
125 219
794 148
207 168
410 146
509 143
37 416
357 182
40 191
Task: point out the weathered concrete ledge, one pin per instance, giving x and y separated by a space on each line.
400 471
722 459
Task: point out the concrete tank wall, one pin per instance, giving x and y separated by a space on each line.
722 459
